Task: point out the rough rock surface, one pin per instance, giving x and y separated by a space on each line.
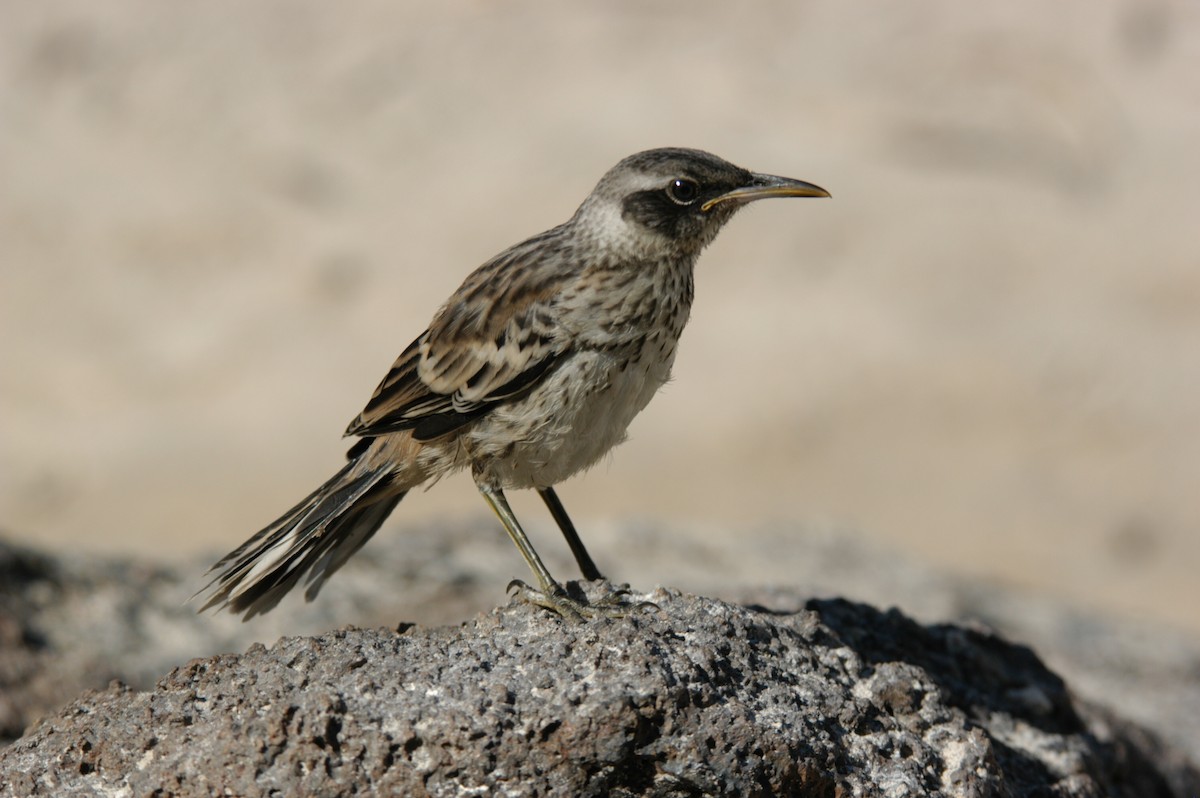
75 622
695 697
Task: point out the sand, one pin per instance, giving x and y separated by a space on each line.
220 222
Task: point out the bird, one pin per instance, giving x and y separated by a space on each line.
528 374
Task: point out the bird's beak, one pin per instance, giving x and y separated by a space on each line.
763 186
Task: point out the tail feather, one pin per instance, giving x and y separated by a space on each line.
315 537
360 526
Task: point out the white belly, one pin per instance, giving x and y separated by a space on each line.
569 422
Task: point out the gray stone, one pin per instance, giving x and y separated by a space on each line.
693 697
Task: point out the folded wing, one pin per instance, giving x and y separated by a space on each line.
484 348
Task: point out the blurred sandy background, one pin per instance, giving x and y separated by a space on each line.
219 223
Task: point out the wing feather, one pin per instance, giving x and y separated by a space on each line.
478 352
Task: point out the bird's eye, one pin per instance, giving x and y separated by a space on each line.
683 191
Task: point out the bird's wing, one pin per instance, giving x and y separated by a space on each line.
494 340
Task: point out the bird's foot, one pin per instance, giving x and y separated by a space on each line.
613 605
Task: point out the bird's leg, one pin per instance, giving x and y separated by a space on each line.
586 566
499 504
551 594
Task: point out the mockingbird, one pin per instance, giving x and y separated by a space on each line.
530 373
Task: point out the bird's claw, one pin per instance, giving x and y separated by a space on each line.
555 599
617 597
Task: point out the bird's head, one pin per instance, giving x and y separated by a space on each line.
676 199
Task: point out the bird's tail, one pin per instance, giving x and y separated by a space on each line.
314 538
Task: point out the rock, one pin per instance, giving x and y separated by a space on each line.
74 622
693 697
